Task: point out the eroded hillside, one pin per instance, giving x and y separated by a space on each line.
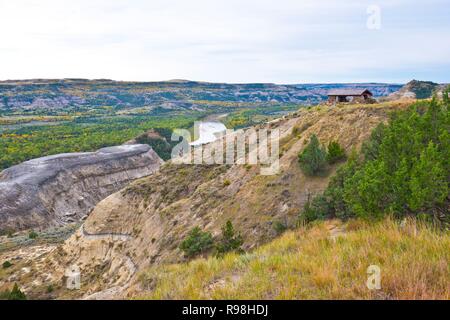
143 224
60 189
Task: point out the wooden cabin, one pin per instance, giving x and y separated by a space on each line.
349 95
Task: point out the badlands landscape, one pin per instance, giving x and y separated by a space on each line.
135 224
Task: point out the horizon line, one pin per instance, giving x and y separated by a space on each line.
212 82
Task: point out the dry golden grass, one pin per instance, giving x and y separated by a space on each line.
308 264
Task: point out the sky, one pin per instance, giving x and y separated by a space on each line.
238 41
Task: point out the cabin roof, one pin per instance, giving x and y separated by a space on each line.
348 92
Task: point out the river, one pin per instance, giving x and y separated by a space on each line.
208 132
209 128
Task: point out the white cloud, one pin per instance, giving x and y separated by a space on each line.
285 41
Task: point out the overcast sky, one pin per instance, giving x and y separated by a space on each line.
280 41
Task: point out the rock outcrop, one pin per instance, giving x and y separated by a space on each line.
63 188
416 90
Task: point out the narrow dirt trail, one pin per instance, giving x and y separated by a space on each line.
105 236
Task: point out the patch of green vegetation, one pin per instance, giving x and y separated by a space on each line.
197 242
446 96
335 152
313 158
6 264
230 241
422 89
315 209
33 235
14 294
9 232
402 170
279 227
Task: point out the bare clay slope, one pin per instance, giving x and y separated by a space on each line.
63 188
144 223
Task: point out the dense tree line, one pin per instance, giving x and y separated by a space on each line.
88 134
